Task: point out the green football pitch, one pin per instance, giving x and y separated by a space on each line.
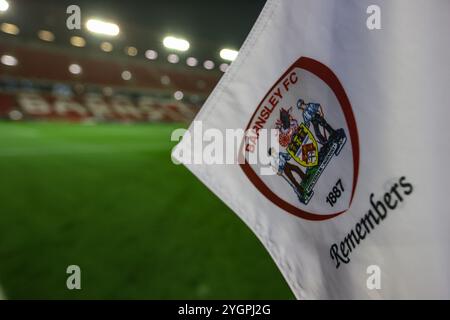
108 199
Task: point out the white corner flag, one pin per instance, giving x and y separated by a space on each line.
343 169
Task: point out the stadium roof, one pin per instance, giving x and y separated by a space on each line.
208 25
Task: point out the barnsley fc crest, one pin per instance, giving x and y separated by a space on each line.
316 160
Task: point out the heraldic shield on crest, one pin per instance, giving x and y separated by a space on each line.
314 121
303 147
312 150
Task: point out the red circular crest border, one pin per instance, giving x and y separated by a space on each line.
326 75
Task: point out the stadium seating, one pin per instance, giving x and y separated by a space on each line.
33 90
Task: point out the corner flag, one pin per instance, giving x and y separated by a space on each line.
348 192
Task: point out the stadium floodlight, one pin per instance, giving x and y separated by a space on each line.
151 54
228 54
75 68
126 75
178 95
4 5
102 27
173 58
46 35
131 51
106 46
191 61
174 43
208 65
223 67
10 28
77 41
8 60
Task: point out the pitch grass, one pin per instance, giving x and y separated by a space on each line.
108 198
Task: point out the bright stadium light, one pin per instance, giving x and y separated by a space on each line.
106 46
131 51
191 61
176 43
102 27
77 41
10 28
8 60
208 65
46 35
173 58
75 68
178 95
223 67
126 75
4 5
228 54
151 54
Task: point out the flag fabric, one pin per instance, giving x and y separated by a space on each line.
352 200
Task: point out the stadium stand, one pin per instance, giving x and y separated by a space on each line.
32 90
